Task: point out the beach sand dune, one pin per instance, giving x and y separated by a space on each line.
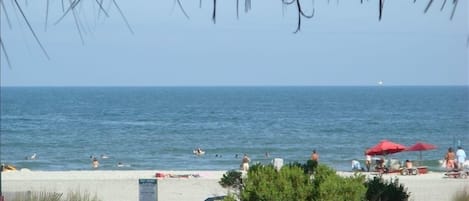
199 185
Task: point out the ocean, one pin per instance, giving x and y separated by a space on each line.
157 128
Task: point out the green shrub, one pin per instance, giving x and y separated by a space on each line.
294 182
461 195
230 197
321 174
257 166
265 183
231 179
337 188
378 190
308 168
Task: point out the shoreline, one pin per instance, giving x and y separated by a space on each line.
122 185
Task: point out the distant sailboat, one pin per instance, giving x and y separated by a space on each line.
380 83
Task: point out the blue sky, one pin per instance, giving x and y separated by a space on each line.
344 44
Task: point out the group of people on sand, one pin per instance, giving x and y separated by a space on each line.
380 164
357 167
455 160
245 161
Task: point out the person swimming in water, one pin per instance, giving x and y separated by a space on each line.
198 151
32 157
95 163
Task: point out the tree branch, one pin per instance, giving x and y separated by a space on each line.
2 46
428 6
214 15
6 14
381 5
123 16
31 29
182 9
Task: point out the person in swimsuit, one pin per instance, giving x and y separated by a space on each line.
449 157
315 156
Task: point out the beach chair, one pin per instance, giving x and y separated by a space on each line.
458 173
409 169
394 166
380 170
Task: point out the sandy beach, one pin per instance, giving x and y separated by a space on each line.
187 185
433 186
117 185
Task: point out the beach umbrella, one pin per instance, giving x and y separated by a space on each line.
385 147
421 146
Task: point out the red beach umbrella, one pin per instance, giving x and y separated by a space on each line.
385 147
421 146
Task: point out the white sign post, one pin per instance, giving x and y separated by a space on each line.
148 190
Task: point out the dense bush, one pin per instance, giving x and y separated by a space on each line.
230 197
265 183
321 174
327 185
337 188
231 179
291 183
308 168
296 183
381 190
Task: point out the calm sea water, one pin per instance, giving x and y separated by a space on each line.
158 127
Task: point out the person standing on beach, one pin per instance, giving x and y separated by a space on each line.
315 156
367 161
461 156
356 165
245 163
449 157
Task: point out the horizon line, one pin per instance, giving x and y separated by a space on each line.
143 86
